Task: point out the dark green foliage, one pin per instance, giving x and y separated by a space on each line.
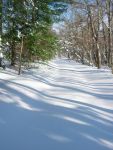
32 20
41 44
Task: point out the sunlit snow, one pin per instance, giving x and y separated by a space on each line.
62 105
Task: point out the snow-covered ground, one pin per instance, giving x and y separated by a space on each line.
60 106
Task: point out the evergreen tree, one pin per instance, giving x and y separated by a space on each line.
31 20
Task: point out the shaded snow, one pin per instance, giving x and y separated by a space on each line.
62 106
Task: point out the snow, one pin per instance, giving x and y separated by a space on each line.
62 106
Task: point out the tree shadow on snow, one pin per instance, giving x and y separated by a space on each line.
41 121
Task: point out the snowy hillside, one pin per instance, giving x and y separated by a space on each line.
60 106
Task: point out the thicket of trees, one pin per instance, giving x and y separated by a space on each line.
25 30
89 36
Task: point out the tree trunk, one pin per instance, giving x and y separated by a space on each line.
108 7
112 40
0 25
20 57
94 39
13 54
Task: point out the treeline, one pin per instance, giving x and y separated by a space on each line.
25 30
89 36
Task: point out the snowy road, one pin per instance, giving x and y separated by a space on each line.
60 106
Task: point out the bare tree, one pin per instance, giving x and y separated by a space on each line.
89 36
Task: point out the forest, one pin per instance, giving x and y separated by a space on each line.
86 36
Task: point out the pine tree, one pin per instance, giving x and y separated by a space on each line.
30 19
